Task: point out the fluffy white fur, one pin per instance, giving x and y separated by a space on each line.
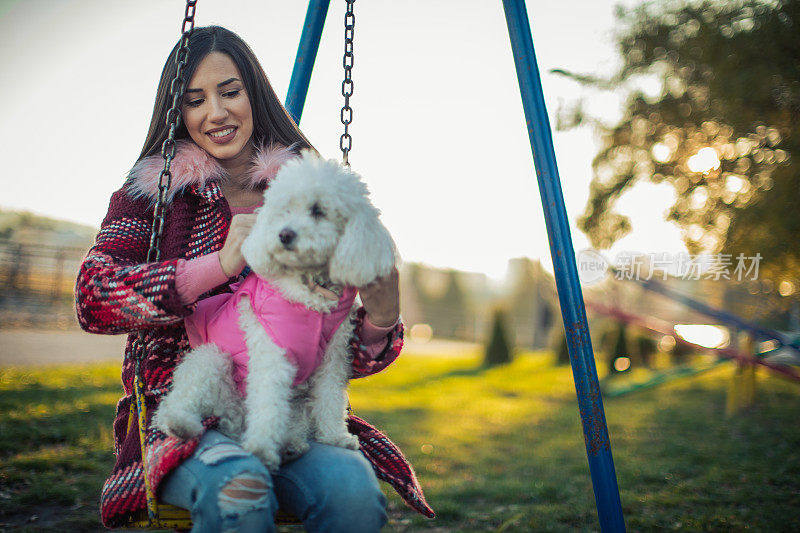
183 409
348 241
337 236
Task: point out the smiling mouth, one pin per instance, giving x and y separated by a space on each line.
222 135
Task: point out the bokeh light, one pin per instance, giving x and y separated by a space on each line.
621 364
667 343
421 333
786 288
705 160
706 335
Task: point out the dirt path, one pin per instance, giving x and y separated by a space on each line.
37 347
34 347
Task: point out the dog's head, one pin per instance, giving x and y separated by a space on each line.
317 216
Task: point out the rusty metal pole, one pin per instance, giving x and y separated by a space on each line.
595 430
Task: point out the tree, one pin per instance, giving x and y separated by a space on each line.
560 346
724 132
498 351
619 349
644 348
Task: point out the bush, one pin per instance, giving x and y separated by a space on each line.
645 347
680 353
498 351
635 344
559 345
618 349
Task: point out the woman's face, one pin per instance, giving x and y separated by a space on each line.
216 110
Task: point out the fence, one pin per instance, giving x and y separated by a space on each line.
37 282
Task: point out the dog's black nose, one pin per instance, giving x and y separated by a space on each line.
287 236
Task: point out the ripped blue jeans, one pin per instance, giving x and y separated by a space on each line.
228 489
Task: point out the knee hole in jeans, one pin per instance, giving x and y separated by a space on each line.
244 492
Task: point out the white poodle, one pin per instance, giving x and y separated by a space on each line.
276 363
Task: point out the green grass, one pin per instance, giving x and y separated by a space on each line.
496 450
56 445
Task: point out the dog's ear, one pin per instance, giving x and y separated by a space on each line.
255 250
254 255
365 251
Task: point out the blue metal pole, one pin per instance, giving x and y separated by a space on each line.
587 386
306 54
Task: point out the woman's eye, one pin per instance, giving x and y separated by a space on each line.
194 103
231 94
316 211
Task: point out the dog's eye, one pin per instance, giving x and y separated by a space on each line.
316 211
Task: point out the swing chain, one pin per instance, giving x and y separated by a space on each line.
346 115
176 91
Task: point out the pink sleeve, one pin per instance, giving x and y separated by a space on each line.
195 276
375 338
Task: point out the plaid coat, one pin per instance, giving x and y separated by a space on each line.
118 292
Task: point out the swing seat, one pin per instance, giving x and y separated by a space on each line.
172 517
169 517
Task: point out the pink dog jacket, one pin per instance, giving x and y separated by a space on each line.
303 333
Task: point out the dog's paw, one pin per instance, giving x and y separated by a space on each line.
231 427
231 422
293 450
268 454
181 424
270 458
345 440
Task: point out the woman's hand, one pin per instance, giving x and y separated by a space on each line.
230 257
381 300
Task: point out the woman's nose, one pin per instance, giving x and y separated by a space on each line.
218 112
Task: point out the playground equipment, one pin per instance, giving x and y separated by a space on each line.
759 332
598 445
742 388
659 326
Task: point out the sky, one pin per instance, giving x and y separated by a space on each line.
438 127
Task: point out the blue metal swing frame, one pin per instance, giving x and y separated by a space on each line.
573 311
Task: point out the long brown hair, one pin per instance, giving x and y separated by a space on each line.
271 121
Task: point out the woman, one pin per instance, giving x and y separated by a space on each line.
229 111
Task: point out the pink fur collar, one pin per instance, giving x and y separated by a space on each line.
194 166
